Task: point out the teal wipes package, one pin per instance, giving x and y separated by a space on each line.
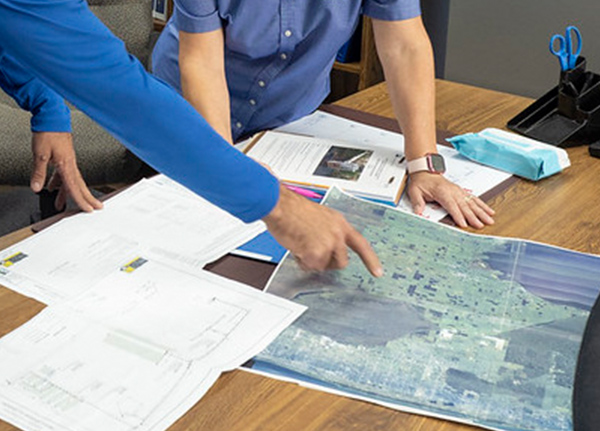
512 153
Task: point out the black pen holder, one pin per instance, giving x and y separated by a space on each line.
566 116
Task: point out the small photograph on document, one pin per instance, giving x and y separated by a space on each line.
343 163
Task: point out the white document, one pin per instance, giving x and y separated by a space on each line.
135 352
325 125
174 224
367 170
157 219
473 177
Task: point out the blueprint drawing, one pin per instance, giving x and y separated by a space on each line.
133 352
474 328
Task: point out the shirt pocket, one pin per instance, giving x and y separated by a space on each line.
252 30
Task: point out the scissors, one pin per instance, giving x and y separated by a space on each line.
566 53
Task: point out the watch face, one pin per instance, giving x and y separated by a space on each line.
436 163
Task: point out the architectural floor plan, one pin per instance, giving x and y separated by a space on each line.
133 352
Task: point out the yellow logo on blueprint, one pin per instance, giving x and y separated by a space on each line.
133 265
11 260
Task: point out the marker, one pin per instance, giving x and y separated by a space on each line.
304 192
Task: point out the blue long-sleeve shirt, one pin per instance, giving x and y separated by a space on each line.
49 113
65 46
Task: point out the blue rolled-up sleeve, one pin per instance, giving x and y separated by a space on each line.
392 10
193 16
69 49
49 113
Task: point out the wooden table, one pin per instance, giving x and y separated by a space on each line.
562 210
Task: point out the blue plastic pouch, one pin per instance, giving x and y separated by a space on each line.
512 153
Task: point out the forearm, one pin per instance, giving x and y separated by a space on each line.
211 100
409 71
407 60
203 80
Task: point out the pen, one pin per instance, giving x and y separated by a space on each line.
304 192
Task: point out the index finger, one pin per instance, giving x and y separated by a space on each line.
361 246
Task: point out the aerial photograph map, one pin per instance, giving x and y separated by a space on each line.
478 329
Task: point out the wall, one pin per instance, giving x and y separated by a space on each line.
503 44
435 18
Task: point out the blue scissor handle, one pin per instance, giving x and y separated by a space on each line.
571 53
561 52
566 56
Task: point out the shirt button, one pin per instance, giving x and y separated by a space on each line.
261 83
252 102
283 56
287 33
238 125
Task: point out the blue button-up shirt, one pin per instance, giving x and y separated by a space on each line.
278 53
64 46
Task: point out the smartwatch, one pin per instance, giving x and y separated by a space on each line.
431 162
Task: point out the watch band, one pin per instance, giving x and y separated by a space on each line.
431 162
417 165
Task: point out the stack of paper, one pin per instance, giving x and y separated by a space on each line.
369 171
154 219
135 351
135 332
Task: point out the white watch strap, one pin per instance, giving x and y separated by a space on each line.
417 165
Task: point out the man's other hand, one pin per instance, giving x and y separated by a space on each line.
56 149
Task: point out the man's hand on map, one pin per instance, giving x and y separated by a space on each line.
464 208
317 236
